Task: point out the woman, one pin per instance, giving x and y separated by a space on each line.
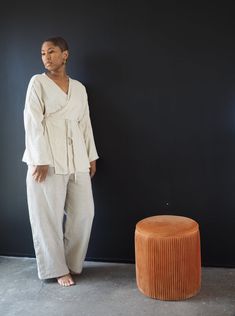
61 156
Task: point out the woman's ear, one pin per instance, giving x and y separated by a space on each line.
65 56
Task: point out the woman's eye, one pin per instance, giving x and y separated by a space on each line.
48 52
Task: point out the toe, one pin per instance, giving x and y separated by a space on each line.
65 280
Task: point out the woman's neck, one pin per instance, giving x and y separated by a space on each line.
57 75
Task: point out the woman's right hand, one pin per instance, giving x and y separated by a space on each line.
40 172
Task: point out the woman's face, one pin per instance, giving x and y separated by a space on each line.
52 56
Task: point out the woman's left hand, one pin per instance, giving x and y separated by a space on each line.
92 168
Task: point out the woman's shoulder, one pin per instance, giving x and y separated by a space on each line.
78 84
36 79
36 83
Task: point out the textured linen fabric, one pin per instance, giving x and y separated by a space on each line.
58 129
58 251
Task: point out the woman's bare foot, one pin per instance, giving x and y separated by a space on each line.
66 280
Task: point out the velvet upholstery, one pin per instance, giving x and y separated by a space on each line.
168 257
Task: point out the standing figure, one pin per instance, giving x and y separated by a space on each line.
61 156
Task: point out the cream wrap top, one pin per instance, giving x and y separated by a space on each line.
58 129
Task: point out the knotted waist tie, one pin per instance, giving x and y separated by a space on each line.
70 126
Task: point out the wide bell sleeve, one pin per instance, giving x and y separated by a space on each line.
87 131
37 149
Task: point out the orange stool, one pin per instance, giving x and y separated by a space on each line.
168 257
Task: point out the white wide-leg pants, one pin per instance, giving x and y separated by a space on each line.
59 250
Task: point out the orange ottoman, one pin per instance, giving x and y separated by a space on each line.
168 257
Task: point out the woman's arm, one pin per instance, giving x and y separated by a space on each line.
37 147
86 128
92 168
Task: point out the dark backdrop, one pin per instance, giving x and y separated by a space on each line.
160 80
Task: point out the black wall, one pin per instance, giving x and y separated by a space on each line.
161 85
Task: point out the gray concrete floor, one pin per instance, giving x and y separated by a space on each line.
107 289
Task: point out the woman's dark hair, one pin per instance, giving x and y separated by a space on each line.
58 41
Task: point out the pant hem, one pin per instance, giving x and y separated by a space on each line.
53 275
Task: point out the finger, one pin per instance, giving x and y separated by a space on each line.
92 174
42 177
37 176
34 172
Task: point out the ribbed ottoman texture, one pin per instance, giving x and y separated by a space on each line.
168 257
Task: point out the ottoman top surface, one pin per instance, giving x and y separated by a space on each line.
167 225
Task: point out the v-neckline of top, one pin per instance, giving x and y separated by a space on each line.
67 94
